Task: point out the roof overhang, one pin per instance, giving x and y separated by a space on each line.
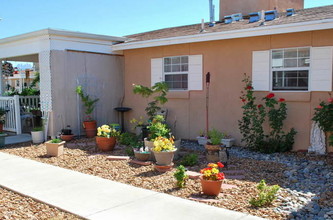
242 33
51 39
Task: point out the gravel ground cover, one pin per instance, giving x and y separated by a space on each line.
14 206
81 155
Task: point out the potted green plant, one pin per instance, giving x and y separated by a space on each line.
140 152
37 135
215 140
324 117
227 140
66 134
211 179
55 147
202 138
2 118
164 150
88 124
106 137
2 139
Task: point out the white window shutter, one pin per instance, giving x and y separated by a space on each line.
195 72
261 70
321 69
156 70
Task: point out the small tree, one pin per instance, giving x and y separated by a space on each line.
160 89
88 102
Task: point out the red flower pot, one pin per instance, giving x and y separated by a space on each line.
91 128
105 144
211 188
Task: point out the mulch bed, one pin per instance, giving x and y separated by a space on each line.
81 155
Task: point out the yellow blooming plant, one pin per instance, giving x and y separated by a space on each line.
163 144
107 131
137 122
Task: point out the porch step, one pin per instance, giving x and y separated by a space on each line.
16 139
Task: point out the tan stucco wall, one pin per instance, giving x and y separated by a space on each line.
228 7
226 60
66 68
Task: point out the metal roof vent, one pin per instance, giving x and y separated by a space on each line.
232 18
254 17
270 15
290 12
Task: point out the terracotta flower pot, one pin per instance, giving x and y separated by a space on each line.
68 137
213 147
90 128
164 158
105 144
211 188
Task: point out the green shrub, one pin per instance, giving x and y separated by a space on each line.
189 160
181 176
129 151
267 194
55 141
127 138
37 129
215 136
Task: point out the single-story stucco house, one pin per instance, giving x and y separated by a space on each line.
290 56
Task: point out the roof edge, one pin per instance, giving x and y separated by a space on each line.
250 32
65 33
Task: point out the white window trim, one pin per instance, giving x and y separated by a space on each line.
177 73
292 68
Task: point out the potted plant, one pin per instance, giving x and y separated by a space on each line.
88 124
37 135
164 150
324 117
202 138
106 137
138 125
66 134
215 141
141 153
2 118
211 179
55 147
227 140
2 139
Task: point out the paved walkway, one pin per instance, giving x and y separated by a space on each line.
92 197
20 138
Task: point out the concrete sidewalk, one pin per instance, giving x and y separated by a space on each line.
92 197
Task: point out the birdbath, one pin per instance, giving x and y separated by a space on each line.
122 110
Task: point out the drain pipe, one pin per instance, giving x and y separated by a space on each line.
207 101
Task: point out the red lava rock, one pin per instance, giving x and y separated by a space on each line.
193 175
142 163
163 168
117 158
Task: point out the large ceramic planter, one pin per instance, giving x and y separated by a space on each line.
142 156
105 144
37 137
202 140
90 128
164 158
211 188
54 149
2 139
228 142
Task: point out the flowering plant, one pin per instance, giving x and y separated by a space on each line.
324 117
164 144
2 116
137 122
212 172
107 131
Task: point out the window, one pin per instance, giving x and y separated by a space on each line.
290 69
175 71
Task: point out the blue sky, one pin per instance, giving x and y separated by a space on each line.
109 17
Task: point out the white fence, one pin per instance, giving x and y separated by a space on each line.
15 105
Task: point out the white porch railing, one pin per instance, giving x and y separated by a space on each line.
15 106
13 118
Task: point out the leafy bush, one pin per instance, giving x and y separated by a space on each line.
267 194
158 128
189 160
181 176
129 151
37 129
324 117
127 139
215 136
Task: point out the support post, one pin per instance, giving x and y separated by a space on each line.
17 114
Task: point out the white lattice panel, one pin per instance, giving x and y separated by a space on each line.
45 81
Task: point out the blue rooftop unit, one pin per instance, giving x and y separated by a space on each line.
228 19
290 12
270 15
254 17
